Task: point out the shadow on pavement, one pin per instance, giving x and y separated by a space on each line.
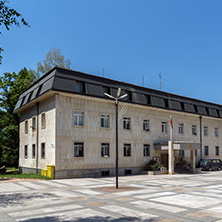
20 198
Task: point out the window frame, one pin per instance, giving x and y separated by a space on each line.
34 121
126 126
164 128
105 150
181 128
77 153
146 147
206 132
33 151
127 150
194 130
78 114
26 151
216 132
26 126
146 125
82 87
43 151
104 119
43 123
217 151
206 150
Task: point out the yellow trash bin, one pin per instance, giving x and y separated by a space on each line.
44 173
50 171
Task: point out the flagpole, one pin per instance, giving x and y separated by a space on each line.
170 149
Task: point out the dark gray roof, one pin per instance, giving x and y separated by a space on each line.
63 80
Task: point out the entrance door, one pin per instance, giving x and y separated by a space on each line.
164 159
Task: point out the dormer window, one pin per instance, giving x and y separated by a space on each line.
79 87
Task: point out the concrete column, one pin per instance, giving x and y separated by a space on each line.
193 160
170 157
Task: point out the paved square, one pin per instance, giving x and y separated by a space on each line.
162 198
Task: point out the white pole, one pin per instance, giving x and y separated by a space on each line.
171 152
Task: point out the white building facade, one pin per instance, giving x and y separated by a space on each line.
66 121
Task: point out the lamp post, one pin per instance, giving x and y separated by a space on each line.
117 98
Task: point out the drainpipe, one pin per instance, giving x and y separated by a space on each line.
37 136
201 137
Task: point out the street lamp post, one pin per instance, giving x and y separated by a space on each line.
117 98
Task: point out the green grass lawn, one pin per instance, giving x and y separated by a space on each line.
14 173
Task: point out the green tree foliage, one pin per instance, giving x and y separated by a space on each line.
11 85
9 17
53 58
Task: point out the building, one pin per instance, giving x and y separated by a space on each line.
67 121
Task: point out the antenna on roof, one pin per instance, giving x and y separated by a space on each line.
143 81
103 72
160 79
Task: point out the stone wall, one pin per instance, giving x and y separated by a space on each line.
92 135
46 135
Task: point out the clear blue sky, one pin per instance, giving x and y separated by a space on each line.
128 39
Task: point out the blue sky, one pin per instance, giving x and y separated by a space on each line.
128 39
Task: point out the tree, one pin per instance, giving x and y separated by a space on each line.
53 58
9 17
11 85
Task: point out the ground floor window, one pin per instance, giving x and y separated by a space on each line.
146 150
105 149
33 151
105 173
26 151
127 149
217 151
206 150
43 150
78 149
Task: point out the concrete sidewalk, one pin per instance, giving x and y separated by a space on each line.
146 198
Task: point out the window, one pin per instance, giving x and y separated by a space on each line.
33 151
26 126
128 172
146 150
79 87
127 149
217 151
105 90
26 151
195 152
78 119
78 150
104 121
43 150
105 173
126 123
164 127
206 150
43 120
181 153
194 130
216 132
146 125
129 96
181 128
205 131
33 123
105 149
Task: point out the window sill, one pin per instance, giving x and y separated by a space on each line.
105 128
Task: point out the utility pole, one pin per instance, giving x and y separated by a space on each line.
143 81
